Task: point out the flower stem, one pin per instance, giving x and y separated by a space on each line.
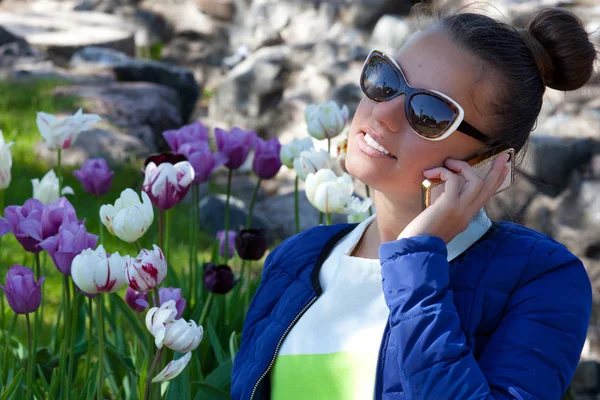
249 218
90 337
205 308
321 217
191 272
369 195
149 377
328 218
100 345
59 171
67 336
72 339
30 362
297 205
167 233
100 225
329 146
227 216
1 203
37 266
138 246
156 297
161 229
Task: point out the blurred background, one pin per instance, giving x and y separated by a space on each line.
150 65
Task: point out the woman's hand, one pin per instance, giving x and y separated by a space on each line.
452 212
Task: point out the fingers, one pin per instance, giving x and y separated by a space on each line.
451 187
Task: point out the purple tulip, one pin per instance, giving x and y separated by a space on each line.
235 144
266 162
218 279
230 242
251 244
34 222
95 176
202 159
189 133
71 240
138 301
22 292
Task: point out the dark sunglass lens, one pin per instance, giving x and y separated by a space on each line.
429 115
379 80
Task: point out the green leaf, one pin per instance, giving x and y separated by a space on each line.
233 345
221 376
13 387
214 341
43 378
179 388
54 382
134 322
206 391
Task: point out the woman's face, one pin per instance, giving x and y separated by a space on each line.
431 61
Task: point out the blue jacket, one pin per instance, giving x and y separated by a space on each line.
506 319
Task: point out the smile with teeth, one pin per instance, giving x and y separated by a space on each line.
371 142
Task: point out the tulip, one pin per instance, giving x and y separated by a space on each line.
5 162
138 301
292 150
173 369
251 244
326 120
71 240
167 294
94 272
60 133
147 270
23 293
332 194
176 334
95 176
46 190
167 184
218 279
235 145
266 161
129 218
230 242
311 161
202 159
186 134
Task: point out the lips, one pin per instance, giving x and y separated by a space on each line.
371 139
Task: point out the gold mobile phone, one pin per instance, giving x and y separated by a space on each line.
431 189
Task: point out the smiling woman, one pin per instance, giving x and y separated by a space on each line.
441 303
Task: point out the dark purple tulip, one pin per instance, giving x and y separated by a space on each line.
138 301
218 279
251 244
202 159
266 162
230 242
235 144
22 292
95 176
189 133
71 240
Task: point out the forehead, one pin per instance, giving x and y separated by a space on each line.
430 60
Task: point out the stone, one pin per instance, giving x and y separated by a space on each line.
366 13
183 16
62 33
212 214
390 33
140 109
586 378
98 56
177 78
8 37
116 148
222 9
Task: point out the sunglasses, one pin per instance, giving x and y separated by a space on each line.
431 114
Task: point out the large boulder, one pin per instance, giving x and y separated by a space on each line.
366 13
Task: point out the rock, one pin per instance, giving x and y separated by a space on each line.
98 56
566 155
586 378
391 32
183 16
212 215
570 124
177 78
140 109
116 148
365 13
62 33
308 26
7 37
222 9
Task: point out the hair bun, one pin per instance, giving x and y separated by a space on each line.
561 48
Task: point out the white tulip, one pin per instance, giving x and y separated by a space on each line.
61 133
157 318
93 272
5 162
147 270
310 161
129 218
292 150
330 193
173 369
326 120
46 190
178 335
167 184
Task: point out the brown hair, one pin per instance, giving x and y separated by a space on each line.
552 49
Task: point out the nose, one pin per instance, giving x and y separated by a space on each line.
391 113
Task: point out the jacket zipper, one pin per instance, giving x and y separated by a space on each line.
279 344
